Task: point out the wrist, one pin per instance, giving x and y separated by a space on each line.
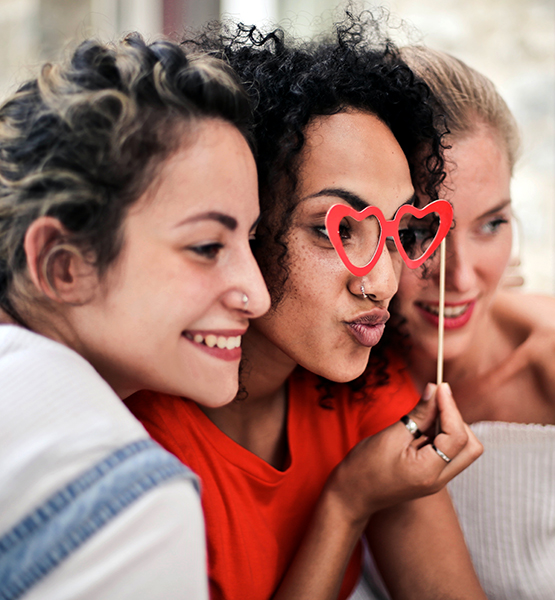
344 508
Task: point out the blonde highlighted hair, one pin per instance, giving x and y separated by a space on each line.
466 98
83 141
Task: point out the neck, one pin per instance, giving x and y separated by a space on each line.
5 318
266 367
259 422
484 353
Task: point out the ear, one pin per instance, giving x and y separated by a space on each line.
57 269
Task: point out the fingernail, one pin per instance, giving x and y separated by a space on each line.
428 392
447 388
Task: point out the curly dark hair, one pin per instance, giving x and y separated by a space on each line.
291 82
83 141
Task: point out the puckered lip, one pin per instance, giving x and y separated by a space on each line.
367 328
376 316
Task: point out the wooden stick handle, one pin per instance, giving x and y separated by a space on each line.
441 323
441 312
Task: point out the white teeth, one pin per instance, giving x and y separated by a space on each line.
222 342
451 312
455 311
210 340
233 342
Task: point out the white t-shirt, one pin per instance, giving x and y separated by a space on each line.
59 419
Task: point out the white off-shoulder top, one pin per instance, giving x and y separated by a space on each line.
506 506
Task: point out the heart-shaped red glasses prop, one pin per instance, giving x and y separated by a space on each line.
417 233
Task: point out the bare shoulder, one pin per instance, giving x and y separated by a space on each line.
530 311
532 319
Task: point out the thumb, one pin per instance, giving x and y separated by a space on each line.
425 412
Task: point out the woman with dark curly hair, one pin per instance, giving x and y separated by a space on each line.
117 253
296 470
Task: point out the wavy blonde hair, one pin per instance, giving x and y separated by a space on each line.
466 98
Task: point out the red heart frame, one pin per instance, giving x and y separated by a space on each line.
388 229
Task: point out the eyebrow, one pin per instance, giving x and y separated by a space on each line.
227 221
353 199
495 209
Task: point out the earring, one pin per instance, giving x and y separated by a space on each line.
363 292
245 299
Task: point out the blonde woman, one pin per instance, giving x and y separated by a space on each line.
499 346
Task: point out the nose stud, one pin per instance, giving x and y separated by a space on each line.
363 292
245 300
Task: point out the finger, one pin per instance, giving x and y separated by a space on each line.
454 434
450 419
420 442
471 451
424 413
412 426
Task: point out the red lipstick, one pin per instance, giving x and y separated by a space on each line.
449 322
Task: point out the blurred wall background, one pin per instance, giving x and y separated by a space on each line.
511 41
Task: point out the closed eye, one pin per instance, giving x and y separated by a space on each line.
209 251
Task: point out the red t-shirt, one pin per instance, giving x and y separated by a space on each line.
256 515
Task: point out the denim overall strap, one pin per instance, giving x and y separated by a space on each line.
57 528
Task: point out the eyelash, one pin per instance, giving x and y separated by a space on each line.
208 251
492 227
320 230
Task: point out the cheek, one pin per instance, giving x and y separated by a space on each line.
398 267
498 257
411 286
313 272
495 268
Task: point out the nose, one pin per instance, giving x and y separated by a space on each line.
247 291
381 283
459 271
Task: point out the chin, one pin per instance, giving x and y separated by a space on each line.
344 375
220 398
211 396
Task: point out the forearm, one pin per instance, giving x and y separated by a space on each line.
420 551
317 570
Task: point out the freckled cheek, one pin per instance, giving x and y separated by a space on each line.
310 274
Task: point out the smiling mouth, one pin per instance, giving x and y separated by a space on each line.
450 312
215 341
455 315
